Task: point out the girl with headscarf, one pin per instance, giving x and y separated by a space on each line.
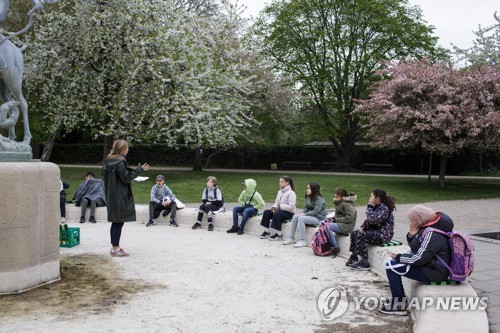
420 263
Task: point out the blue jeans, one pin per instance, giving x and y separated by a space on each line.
335 228
395 281
246 214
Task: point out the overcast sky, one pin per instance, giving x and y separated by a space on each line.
454 20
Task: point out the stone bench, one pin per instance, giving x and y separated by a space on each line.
296 165
427 320
335 166
369 167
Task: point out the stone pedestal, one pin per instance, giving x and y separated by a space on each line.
29 225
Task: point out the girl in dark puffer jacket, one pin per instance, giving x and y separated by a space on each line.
420 263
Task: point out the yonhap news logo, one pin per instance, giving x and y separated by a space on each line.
333 303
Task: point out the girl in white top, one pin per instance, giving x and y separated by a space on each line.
282 210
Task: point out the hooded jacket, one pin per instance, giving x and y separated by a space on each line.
423 253
91 189
120 200
286 199
257 202
346 214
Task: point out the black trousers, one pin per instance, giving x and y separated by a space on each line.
155 209
204 208
116 233
62 203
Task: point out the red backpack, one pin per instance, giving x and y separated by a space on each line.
321 241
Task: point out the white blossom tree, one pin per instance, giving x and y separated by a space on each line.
486 46
145 70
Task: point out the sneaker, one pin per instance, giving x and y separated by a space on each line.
265 235
92 219
352 260
300 243
232 230
240 231
397 310
289 241
173 223
82 219
362 265
63 219
276 237
210 227
119 253
150 223
196 226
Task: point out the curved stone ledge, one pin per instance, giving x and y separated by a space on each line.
428 320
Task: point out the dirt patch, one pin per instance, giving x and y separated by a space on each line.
89 284
396 327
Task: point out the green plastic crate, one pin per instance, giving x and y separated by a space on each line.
69 238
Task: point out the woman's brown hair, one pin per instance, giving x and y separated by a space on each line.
119 146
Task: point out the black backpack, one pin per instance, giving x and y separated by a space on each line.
215 194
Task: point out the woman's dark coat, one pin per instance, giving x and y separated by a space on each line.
119 198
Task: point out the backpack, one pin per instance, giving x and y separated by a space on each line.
462 254
321 241
215 193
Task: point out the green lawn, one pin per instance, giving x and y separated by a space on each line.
188 185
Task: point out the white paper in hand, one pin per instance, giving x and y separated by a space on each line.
140 179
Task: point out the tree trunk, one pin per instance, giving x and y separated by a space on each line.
481 162
208 162
108 144
197 160
49 144
430 167
442 169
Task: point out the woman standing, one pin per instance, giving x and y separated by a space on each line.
117 178
377 229
313 213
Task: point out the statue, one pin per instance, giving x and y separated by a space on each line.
11 78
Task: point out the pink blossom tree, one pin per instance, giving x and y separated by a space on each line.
434 108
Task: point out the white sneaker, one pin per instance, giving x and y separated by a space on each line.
300 243
288 241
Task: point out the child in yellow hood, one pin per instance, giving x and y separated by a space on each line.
249 202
